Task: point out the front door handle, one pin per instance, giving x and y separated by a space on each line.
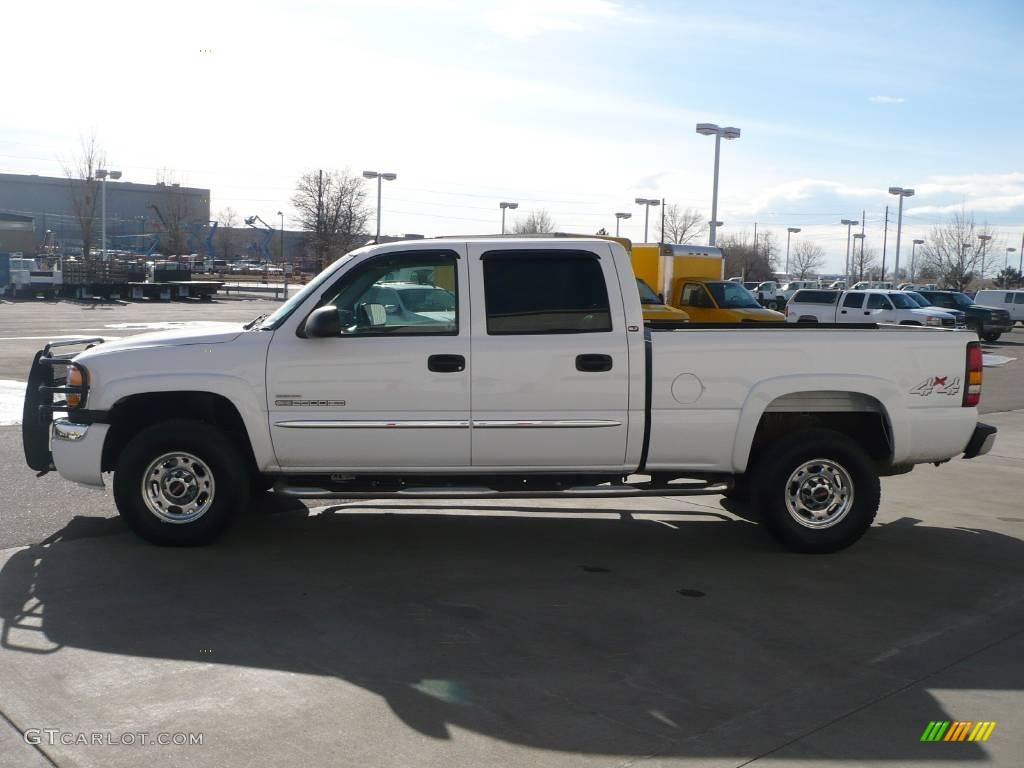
593 363
446 363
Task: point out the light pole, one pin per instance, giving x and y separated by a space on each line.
983 248
728 133
790 231
647 202
618 219
379 176
284 267
901 193
848 223
860 271
102 174
913 253
506 206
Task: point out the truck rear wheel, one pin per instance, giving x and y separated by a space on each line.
817 491
180 482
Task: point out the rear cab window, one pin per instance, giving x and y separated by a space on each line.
815 297
545 292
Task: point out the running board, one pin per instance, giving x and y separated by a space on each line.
699 488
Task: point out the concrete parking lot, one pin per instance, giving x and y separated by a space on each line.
647 632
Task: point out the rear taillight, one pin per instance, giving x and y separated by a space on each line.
785 310
975 362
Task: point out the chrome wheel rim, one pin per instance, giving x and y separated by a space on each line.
178 487
819 493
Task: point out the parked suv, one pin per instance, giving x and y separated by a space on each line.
989 323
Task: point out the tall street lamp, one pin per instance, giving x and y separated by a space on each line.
506 206
901 193
849 223
379 175
913 253
728 133
102 174
860 272
284 267
790 231
983 248
647 202
618 219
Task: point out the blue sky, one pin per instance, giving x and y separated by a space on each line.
570 105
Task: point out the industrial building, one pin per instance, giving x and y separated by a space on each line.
137 214
17 235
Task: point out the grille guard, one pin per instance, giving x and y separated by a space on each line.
43 383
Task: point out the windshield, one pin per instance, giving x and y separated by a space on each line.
962 300
919 299
282 312
732 296
647 294
902 301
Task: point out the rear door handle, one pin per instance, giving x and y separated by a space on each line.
446 363
593 363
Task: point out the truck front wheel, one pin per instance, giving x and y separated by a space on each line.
817 491
179 483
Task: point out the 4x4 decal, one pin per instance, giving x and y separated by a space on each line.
937 385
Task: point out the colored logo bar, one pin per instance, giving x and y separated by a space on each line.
958 730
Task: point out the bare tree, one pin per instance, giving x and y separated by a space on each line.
862 262
743 259
952 250
85 188
227 220
683 224
536 222
175 211
331 207
808 258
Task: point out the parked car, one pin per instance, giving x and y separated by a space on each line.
958 315
869 306
655 308
767 295
786 292
1011 301
988 322
720 301
538 380
865 285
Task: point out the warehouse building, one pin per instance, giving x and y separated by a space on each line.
136 213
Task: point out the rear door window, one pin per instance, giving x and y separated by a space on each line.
545 292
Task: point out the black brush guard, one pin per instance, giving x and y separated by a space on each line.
45 381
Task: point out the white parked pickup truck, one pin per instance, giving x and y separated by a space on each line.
529 374
867 306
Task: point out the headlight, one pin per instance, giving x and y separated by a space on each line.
933 321
76 379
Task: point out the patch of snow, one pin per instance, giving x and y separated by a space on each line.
12 401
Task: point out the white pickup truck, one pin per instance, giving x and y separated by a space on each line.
867 306
530 373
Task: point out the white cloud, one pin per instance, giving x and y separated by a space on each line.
529 18
887 99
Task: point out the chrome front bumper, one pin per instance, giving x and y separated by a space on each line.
78 451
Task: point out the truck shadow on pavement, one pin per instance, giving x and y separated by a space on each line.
618 637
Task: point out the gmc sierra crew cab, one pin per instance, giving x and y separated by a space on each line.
522 369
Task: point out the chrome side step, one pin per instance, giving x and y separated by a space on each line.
695 488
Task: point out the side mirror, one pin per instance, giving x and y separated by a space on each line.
371 315
323 323
661 298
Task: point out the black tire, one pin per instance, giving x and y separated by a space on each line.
991 335
227 471
772 474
